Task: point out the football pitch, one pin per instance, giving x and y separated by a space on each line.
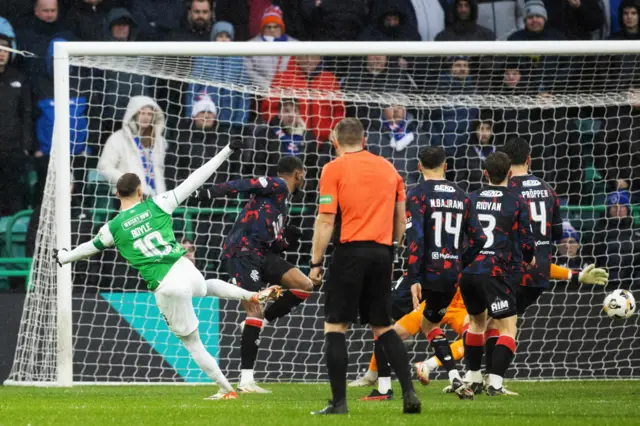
544 403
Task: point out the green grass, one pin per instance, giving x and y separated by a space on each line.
546 403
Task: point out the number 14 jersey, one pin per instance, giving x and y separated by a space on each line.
143 235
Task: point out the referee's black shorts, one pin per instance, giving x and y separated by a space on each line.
359 281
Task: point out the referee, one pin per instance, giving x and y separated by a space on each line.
362 195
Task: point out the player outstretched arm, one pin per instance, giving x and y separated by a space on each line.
475 235
168 202
589 275
415 242
259 186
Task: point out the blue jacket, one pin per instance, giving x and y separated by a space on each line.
45 109
233 105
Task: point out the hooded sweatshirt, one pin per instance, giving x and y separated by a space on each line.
233 105
623 34
465 30
124 153
377 31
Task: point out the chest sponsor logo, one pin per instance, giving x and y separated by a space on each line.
136 220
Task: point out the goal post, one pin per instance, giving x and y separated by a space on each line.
96 324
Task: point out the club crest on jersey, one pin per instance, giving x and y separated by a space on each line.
531 183
255 276
444 188
491 193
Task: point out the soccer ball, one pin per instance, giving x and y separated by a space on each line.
619 304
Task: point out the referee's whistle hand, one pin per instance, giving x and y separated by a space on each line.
315 275
416 294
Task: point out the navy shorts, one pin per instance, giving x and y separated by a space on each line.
254 272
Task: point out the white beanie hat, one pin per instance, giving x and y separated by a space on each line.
204 103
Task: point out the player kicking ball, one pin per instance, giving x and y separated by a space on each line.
142 232
251 251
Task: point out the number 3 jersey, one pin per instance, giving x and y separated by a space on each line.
439 215
143 234
546 224
504 216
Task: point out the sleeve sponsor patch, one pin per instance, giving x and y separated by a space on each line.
326 199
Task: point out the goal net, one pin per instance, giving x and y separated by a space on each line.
577 104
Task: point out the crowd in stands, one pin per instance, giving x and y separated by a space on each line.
164 129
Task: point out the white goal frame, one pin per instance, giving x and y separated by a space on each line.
63 52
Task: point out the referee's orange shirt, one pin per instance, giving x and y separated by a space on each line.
363 188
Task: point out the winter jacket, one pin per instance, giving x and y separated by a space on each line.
157 18
406 31
121 153
16 126
87 21
245 15
43 97
261 69
468 164
546 34
575 24
430 17
503 17
233 105
118 86
334 20
469 30
35 38
321 116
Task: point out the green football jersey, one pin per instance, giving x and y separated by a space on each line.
143 234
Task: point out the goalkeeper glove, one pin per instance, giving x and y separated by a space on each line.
56 254
593 275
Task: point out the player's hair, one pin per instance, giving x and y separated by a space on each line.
518 150
432 157
349 132
128 184
497 166
289 164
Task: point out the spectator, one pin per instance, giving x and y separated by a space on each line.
35 37
380 74
157 19
468 168
454 124
118 86
576 19
261 69
628 21
139 147
289 129
430 17
516 78
87 19
307 73
535 24
43 98
569 251
464 26
334 20
199 138
618 158
245 15
616 242
233 105
196 25
501 16
16 127
391 20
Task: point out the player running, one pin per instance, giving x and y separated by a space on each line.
251 253
439 216
485 284
142 232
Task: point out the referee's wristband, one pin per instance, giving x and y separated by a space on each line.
320 264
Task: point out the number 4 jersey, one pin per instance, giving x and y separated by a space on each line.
439 215
546 224
143 234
